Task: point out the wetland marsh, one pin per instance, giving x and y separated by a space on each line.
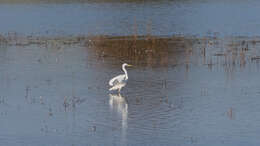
195 79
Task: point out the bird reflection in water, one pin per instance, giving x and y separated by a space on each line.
119 104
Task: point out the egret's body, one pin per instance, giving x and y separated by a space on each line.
119 81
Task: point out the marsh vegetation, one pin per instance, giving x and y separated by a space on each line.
195 79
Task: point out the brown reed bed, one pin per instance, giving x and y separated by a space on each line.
158 51
139 50
154 51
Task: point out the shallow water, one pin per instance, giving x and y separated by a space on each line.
199 87
58 95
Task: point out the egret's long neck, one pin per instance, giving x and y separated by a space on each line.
126 76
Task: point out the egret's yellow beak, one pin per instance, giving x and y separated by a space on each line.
129 65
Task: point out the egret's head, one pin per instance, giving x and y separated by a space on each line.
125 64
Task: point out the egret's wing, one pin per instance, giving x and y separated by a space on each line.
116 80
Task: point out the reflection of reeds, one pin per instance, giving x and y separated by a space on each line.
3 40
71 102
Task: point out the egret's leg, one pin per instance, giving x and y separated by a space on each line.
119 90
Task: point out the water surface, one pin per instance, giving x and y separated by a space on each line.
195 79
166 17
198 92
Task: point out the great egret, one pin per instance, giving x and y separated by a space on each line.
119 81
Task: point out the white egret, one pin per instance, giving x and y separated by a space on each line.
119 81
